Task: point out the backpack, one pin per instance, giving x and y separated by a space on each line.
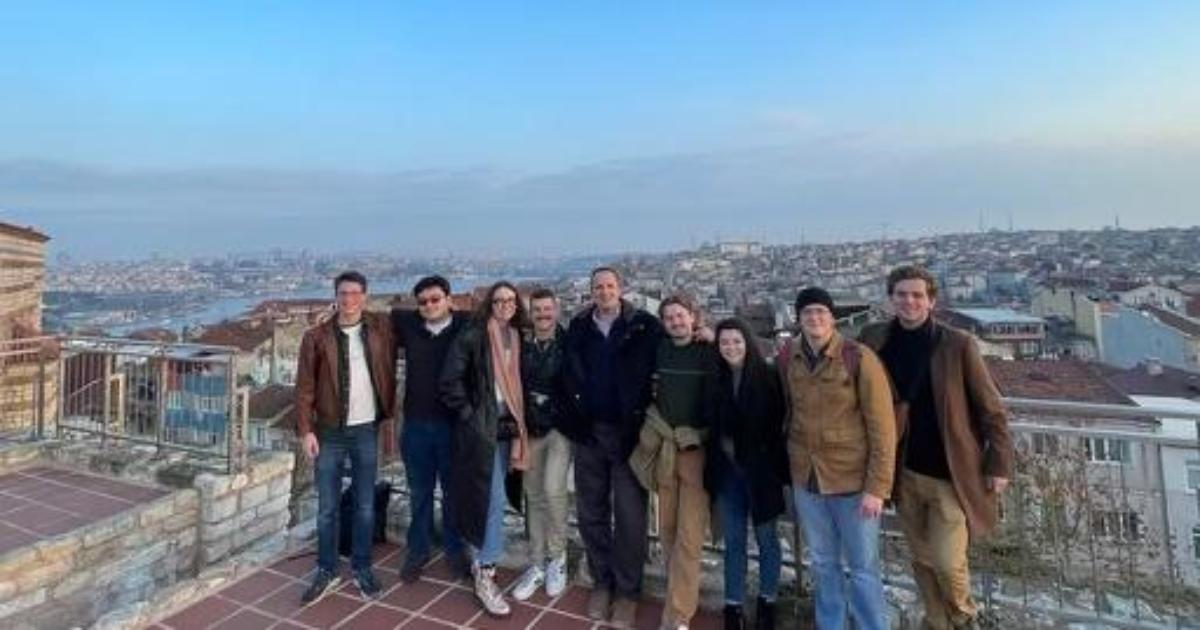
851 356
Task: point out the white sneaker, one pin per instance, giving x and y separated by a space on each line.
528 583
556 576
488 593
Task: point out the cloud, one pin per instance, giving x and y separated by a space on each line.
831 188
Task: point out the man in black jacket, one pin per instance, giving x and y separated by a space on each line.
425 336
610 354
545 483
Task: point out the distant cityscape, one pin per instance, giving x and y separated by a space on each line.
993 268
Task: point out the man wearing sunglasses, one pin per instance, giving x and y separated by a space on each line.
426 336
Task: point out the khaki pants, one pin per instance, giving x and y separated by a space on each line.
682 525
546 496
936 528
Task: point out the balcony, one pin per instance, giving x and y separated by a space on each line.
1101 524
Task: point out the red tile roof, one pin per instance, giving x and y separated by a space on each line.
1185 325
245 335
1047 379
275 402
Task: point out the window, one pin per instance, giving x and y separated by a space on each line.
1125 526
1193 478
1108 450
1196 542
1044 444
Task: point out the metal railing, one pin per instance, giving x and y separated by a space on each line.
174 397
1100 523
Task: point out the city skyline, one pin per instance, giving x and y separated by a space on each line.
205 129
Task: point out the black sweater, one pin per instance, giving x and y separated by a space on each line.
424 359
907 357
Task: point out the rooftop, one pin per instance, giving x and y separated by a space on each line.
1047 379
26 233
998 316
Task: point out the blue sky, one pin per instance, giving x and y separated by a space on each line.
128 124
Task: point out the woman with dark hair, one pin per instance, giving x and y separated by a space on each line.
481 384
748 467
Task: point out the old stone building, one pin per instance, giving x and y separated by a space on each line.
22 280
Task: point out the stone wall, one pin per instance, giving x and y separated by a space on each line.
239 510
75 577
21 385
209 518
22 279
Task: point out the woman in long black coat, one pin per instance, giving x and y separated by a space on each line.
748 467
481 384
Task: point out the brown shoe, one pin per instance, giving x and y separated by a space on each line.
598 603
624 612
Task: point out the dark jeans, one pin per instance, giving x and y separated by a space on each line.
425 449
358 443
733 501
611 508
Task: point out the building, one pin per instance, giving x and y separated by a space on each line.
22 363
1098 477
1014 334
22 281
740 248
1131 336
268 350
272 418
1180 475
1149 294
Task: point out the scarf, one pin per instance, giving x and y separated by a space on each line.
507 377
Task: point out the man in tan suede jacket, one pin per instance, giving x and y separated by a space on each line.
842 448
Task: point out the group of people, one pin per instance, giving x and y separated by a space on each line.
699 416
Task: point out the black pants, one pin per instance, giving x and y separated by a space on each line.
611 509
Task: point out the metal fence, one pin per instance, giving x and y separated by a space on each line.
175 397
1101 522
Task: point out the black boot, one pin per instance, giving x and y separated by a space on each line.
764 615
733 617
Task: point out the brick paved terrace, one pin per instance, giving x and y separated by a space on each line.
270 598
43 502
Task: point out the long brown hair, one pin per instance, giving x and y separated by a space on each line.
519 319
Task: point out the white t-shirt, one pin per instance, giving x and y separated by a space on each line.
362 392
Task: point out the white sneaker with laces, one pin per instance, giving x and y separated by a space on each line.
556 576
488 593
528 583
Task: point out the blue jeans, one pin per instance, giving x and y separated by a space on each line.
358 443
425 449
836 534
733 501
492 550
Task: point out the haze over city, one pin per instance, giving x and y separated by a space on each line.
224 126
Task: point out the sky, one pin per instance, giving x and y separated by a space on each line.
212 127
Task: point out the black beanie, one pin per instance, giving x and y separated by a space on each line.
813 295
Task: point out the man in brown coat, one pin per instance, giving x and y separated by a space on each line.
345 405
955 454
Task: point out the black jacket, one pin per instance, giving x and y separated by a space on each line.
468 390
636 334
542 379
755 422
424 358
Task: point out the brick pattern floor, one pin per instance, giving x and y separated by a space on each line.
43 502
270 598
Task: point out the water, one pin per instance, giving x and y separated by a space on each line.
221 309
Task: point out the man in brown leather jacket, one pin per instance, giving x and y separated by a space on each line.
345 404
